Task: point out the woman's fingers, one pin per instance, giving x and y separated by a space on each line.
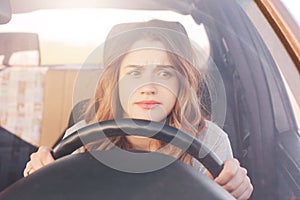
247 193
38 160
234 179
244 191
45 154
229 171
27 170
35 161
237 180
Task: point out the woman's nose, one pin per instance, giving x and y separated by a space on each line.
148 89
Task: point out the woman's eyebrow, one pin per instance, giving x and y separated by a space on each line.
133 66
166 66
157 66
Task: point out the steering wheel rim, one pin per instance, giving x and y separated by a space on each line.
145 128
81 176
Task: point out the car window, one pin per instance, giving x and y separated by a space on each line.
287 68
77 32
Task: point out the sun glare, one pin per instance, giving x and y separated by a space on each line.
87 28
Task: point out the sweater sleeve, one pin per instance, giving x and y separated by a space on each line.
74 128
221 147
217 141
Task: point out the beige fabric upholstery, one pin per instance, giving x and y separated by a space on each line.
35 102
21 101
63 89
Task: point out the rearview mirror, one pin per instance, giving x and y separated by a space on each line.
5 11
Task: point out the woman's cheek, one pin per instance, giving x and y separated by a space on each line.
126 91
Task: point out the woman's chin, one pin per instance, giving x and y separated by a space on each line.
152 118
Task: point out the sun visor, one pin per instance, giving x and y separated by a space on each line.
5 11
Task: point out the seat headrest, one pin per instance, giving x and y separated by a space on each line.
19 49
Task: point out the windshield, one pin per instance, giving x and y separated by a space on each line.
69 36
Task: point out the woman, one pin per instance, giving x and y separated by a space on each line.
151 72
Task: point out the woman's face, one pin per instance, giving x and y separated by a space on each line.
148 83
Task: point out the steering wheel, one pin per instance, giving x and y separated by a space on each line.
82 176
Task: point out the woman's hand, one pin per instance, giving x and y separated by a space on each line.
38 160
234 179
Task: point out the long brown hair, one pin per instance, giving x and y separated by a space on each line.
186 114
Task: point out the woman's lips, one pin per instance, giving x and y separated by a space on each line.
148 104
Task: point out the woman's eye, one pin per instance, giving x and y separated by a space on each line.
165 74
134 73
